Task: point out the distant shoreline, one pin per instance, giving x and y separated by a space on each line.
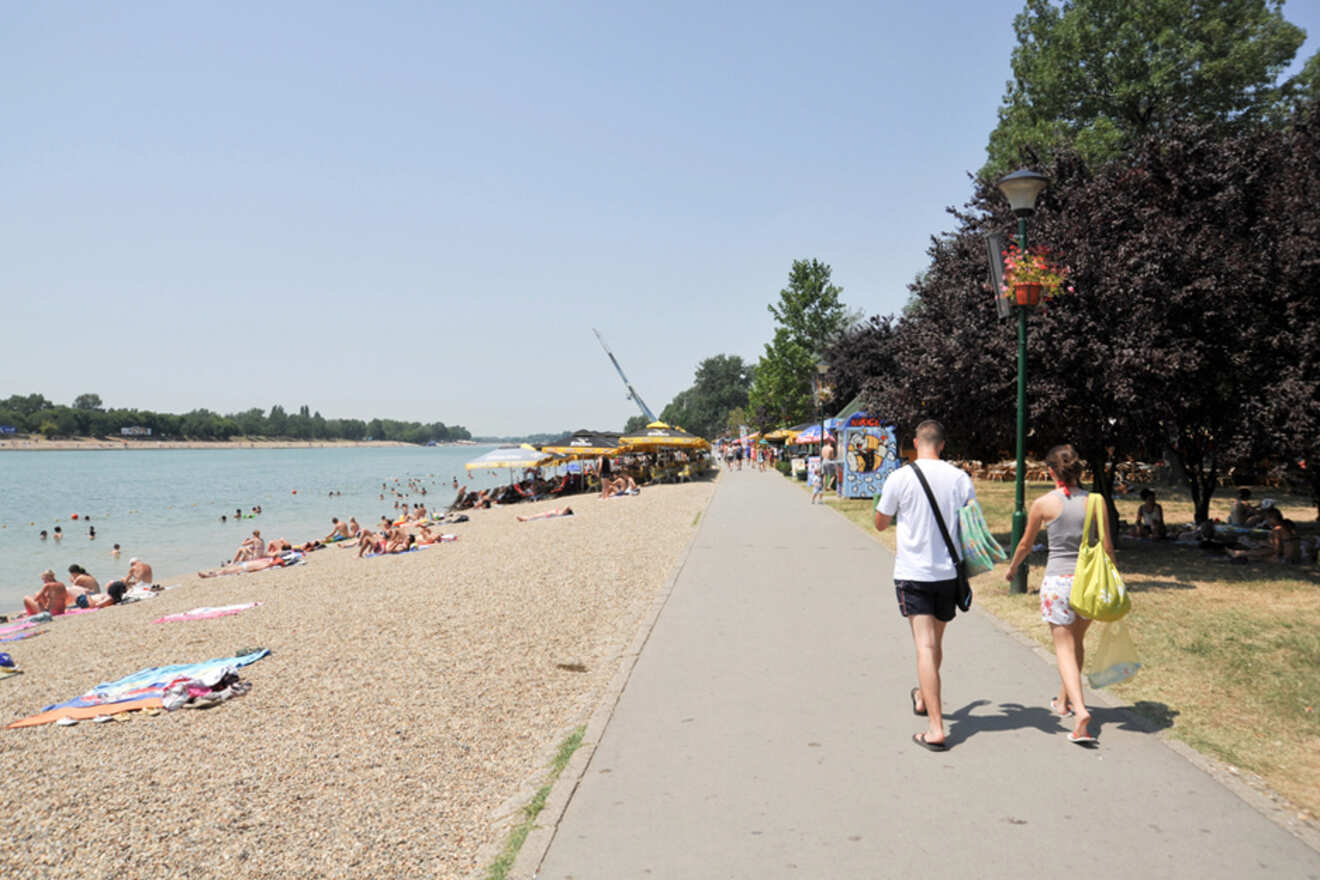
32 444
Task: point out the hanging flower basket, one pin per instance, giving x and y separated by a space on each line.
1031 275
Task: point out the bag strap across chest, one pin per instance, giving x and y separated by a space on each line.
935 508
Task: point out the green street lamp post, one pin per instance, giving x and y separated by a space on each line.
818 386
1021 188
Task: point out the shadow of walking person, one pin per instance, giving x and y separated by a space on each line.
966 722
1144 716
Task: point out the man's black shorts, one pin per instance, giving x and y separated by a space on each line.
927 597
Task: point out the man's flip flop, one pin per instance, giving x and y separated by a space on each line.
1083 740
1054 707
920 739
915 710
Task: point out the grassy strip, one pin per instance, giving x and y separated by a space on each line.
696 519
1231 653
499 869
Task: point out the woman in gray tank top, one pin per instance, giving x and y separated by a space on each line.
1062 513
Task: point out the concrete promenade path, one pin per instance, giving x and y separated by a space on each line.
765 733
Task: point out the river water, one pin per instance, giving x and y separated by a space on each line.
164 505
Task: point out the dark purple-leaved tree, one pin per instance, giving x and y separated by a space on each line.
1192 329
1286 416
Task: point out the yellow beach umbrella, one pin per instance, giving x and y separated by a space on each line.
585 444
515 457
659 435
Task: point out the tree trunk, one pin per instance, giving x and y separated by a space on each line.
1201 481
1176 474
1102 481
1313 468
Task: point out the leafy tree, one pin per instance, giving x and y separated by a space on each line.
27 404
251 422
1304 88
1194 331
277 423
809 308
1287 415
1099 75
679 410
736 418
810 316
87 401
12 418
863 353
721 384
781 393
634 424
949 357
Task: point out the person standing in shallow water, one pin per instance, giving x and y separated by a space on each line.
1062 513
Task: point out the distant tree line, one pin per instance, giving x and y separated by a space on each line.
34 414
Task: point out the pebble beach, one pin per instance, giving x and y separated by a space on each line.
407 702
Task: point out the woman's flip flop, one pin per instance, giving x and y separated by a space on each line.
920 739
1082 740
915 710
1054 707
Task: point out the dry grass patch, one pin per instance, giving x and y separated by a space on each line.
1231 654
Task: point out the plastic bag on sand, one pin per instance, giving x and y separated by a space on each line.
1115 659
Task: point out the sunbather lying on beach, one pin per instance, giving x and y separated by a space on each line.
547 514
245 567
52 597
113 595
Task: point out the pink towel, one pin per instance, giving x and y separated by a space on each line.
205 613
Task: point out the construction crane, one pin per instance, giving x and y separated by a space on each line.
632 392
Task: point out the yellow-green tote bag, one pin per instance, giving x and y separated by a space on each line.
1097 590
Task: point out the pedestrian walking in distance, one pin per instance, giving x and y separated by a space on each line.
925 576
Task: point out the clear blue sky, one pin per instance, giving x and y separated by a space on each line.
418 211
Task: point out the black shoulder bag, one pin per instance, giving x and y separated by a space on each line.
963 590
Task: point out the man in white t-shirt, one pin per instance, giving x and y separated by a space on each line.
924 573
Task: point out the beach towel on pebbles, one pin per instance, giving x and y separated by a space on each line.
142 690
206 613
